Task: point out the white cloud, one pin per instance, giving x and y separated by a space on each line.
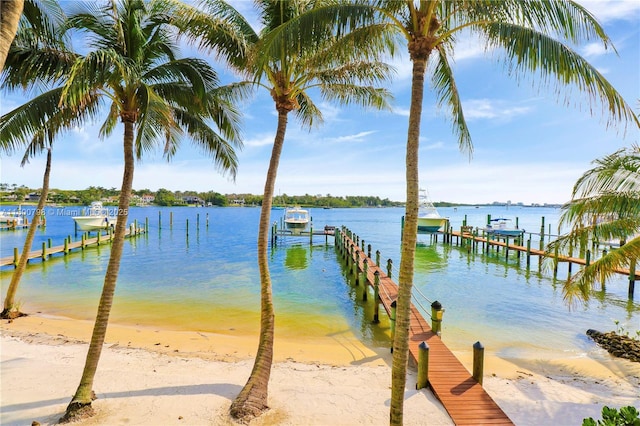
492 109
358 137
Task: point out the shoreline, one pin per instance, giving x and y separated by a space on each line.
313 380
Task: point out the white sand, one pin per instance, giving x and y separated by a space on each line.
40 372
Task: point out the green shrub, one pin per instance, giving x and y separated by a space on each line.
627 416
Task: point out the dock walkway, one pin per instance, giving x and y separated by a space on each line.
504 243
462 396
45 252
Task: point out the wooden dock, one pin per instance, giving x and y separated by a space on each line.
67 247
504 243
464 398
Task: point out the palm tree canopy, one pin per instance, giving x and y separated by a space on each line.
132 60
303 45
534 39
605 206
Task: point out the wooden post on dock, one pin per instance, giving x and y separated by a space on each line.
478 362
170 219
16 258
376 296
66 246
392 322
159 220
436 317
389 267
423 366
529 251
369 251
365 270
356 272
632 278
44 251
378 258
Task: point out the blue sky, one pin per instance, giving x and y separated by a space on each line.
530 145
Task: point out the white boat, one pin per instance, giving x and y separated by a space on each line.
429 220
12 217
98 217
502 227
296 219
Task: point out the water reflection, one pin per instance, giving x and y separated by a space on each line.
296 257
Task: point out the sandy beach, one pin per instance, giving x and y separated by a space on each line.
151 376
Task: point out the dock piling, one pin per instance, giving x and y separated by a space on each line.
423 366
478 362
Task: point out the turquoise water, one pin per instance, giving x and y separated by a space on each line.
208 280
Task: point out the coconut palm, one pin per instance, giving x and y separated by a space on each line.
159 98
533 36
37 55
302 51
604 206
39 137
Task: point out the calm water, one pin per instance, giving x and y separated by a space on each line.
208 280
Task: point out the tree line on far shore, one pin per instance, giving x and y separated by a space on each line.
165 197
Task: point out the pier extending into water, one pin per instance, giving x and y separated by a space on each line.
474 237
461 393
68 245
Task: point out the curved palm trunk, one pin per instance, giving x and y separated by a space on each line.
10 13
252 399
409 237
9 310
80 405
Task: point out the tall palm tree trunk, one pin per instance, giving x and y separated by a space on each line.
252 399
9 310
409 237
80 405
10 13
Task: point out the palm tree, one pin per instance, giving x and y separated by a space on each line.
604 206
37 54
130 61
12 134
302 49
524 32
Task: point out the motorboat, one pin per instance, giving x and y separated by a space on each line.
296 219
98 217
502 227
429 220
12 217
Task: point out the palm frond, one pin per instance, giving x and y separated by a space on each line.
529 50
447 93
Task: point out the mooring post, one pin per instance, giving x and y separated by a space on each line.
632 278
311 235
44 251
423 365
376 296
392 322
378 258
170 219
197 222
365 270
98 238
389 267
159 220
369 251
436 317
187 228
478 362
207 221
356 273
66 246
529 251
15 256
